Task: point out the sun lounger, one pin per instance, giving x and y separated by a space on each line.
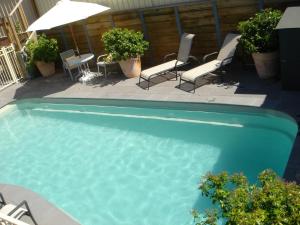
182 59
224 58
4 219
14 212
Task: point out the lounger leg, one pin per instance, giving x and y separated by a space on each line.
179 82
105 72
194 87
70 73
32 218
148 84
30 214
176 74
222 78
2 201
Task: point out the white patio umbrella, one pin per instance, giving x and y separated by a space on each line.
65 12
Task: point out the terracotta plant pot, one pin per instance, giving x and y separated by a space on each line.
131 67
46 69
267 64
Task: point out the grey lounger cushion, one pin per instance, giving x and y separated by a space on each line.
160 68
10 220
202 70
9 207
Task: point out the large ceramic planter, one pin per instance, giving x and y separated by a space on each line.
131 67
267 64
46 69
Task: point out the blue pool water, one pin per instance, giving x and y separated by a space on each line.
116 162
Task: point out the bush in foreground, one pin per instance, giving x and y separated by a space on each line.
271 201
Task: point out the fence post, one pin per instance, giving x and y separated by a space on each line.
217 22
111 18
9 65
178 22
261 4
144 27
14 33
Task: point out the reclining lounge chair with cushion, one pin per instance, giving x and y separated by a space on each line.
14 213
182 59
225 56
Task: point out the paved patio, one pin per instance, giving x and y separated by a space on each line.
241 87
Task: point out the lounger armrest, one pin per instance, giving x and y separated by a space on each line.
100 57
2 201
17 207
169 55
223 63
194 58
209 55
76 51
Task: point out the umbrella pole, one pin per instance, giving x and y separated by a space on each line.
74 39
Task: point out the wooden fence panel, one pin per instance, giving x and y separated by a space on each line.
281 4
162 33
96 26
199 20
162 29
233 11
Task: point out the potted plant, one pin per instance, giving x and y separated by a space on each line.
126 47
43 53
260 39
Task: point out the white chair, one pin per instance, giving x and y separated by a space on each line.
101 63
14 212
182 58
225 56
69 54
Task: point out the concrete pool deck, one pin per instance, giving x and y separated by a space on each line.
240 88
43 212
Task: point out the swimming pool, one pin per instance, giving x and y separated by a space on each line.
134 162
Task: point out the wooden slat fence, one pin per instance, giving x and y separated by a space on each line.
210 20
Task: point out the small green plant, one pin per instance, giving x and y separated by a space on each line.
108 58
123 44
43 49
258 32
271 201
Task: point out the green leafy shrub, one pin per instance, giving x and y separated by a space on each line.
258 32
270 202
123 44
43 49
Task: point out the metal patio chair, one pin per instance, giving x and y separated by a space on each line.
64 58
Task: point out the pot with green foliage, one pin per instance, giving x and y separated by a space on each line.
43 53
126 47
260 39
